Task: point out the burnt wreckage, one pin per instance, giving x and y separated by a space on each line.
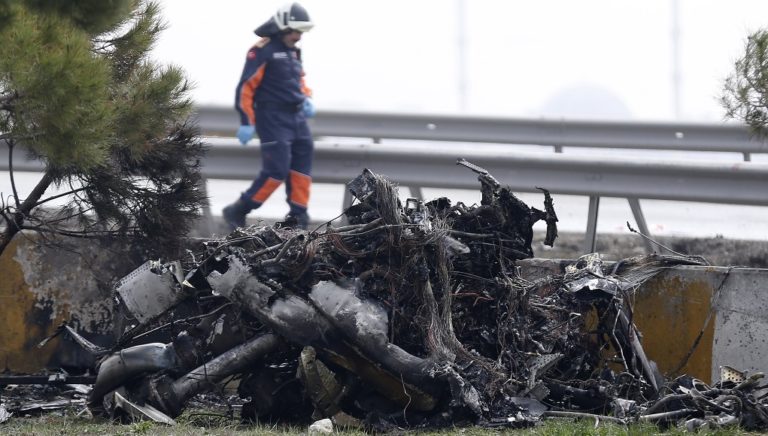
406 316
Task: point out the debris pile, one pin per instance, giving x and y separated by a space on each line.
407 316
34 395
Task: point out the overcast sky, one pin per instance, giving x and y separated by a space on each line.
549 58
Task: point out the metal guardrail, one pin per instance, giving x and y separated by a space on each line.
420 165
432 166
558 133
744 183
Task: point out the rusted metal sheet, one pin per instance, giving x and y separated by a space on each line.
43 286
671 311
25 320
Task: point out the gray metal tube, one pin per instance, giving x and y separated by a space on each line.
131 362
233 361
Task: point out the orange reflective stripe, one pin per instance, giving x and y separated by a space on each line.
248 91
300 184
266 190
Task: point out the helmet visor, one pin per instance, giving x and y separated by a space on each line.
301 26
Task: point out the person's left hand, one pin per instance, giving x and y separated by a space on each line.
309 108
245 133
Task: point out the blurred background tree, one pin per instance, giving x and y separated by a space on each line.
79 93
745 93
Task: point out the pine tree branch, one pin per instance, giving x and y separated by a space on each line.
86 234
16 223
68 217
6 216
64 194
37 192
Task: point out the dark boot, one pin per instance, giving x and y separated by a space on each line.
298 220
234 214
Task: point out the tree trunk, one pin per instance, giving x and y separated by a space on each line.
17 218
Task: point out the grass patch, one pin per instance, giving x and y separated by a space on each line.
201 423
188 424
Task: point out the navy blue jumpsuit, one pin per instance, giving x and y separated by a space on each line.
270 96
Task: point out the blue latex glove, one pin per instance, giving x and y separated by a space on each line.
309 108
245 133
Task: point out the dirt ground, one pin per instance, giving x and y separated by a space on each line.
718 251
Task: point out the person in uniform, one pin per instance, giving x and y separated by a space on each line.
274 103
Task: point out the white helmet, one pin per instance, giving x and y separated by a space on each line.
292 16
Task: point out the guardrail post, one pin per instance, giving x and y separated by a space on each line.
634 204
591 235
416 192
345 203
206 222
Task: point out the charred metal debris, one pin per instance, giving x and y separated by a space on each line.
408 316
